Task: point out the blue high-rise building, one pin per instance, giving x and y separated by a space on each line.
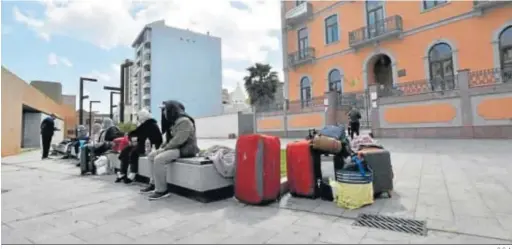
172 63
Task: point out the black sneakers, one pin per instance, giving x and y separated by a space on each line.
159 195
148 189
127 180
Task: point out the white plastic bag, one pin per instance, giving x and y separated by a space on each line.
101 165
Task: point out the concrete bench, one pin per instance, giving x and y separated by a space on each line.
195 178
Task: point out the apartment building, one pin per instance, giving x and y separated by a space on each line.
178 64
350 45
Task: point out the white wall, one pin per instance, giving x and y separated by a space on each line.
217 126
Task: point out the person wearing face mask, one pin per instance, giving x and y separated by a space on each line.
47 130
129 156
180 132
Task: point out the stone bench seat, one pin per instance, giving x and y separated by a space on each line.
194 177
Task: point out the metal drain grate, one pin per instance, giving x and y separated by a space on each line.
392 224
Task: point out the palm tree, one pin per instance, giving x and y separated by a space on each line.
261 84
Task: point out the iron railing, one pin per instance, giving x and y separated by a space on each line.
482 4
302 56
309 105
488 77
375 31
418 87
298 14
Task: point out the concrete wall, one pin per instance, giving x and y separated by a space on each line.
291 125
186 66
51 89
466 112
222 125
15 94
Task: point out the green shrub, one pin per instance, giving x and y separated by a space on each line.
127 127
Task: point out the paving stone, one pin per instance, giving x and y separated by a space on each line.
148 227
471 208
342 233
112 239
15 239
90 234
251 236
434 212
440 181
295 234
62 240
155 238
487 227
215 234
315 221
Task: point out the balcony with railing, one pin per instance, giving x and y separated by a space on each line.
299 14
389 27
486 4
302 56
146 85
146 73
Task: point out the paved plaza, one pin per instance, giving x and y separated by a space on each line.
462 188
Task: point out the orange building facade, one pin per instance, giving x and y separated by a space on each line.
416 47
23 107
354 44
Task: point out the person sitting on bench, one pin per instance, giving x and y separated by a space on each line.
181 141
108 133
129 156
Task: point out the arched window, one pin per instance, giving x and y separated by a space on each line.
305 92
441 67
506 53
335 80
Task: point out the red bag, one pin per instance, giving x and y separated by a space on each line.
120 143
300 169
258 172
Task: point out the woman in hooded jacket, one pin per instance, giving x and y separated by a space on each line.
129 156
181 142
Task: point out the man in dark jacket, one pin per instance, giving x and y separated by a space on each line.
182 143
47 130
354 116
129 156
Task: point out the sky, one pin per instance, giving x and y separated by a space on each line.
61 40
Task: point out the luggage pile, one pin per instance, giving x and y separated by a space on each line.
360 175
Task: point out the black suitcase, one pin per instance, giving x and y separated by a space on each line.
379 160
86 162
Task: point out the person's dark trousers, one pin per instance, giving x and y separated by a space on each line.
354 128
134 160
46 140
124 157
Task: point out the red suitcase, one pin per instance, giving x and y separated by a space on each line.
258 176
300 169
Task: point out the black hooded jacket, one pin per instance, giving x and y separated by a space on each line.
148 129
183 135
175 110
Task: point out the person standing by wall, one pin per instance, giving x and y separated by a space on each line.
354 116
47 130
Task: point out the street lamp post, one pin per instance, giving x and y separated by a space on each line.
90 114
127 63
113 90
82 97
